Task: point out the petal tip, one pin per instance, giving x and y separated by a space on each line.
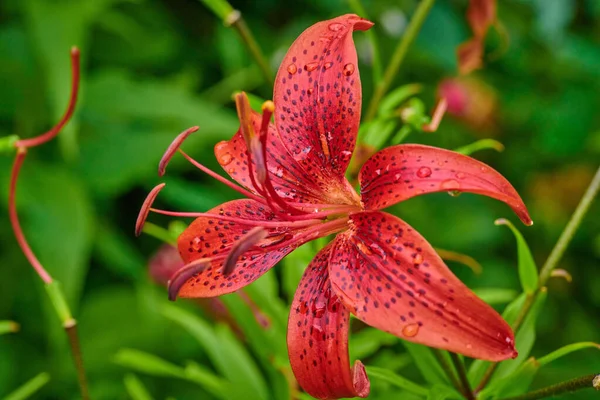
360 380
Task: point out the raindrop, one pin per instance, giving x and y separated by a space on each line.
424 172
311 66
378 171
348 69
454 193
397 177
225 159
460 175
410 330
345 155
450 184
196 244
378 250
328 65
418 259
279 172
335 27
222 145
469 346
292 69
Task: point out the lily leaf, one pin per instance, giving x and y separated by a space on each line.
396 380
563 351
495 295
148 363
135 388
30 387
8 327
528 273
426 363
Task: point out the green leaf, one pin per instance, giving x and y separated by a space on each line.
29 388
528 273
563 351
8 327
229 357
396 97
117 252
426 363
147 363
221 8
495 295
212 383
482 144
135 388
368 341
379 132
439 392
515 384
396 380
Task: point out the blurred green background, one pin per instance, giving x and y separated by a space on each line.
153 68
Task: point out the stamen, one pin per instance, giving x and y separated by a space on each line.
182 275
436 118
250 239
218 177
253 146
45 137
175 144
145 210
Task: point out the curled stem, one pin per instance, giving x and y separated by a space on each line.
409 36
583 382
552 261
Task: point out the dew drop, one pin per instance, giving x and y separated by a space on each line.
345 155
196 244
222 145
378 171
469 346
303 307
378 250
225 159
410 330
292 69
418 259
454 193
424 172
348 69
397 177
335 27
328 65
311 66
460 175
450 184
279 172
309 91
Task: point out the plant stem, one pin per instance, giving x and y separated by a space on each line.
584 382
235 19
358 8
462 375
409 36
552 261
71 329
447 368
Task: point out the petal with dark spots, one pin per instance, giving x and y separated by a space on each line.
318 338
289 178
214 238
318 97
400 172
390 277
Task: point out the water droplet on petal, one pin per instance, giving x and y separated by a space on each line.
196 244
311 66
454 193
378 250
450 184
469 346
328 65
424 172
309 91
410 330
378 171
222 145
303 307
460 175
292 69
397 177
345 155
279 172
348 69
418 259
225 159
335 27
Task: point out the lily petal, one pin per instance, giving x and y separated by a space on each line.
289 178
213 238
318 338
390 277
400 172
318 98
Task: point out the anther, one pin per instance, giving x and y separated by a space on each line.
175 144
182 275
249 240
141 219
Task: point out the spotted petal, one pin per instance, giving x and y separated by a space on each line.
318 98
288 177
391 278
318 338
400 172
212 239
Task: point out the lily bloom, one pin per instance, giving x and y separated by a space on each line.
378 268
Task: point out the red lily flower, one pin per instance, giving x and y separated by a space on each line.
378 267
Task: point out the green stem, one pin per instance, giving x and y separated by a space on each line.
447 368
552 261
584 382
462 375
359 9
235 19
159 233
71 330
409 36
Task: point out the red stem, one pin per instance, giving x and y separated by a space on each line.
14 218
45 137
